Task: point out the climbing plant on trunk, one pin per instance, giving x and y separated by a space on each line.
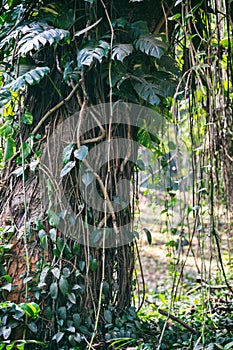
60 58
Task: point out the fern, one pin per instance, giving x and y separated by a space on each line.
32 77
120 51
94 50
151 45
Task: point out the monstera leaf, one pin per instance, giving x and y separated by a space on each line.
95 50
148 92
34 36
151 45
32 77
37 35
120 51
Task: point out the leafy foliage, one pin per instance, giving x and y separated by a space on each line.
151 45
35 36
93 50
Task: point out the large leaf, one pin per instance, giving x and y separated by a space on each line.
151 45
34 36
9 149
120 51
37 35
32 77
5 96
93 51
148 92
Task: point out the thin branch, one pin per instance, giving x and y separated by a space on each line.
60 104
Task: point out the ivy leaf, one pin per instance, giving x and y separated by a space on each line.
120 51
53 290
108 316
10 149
56 272
67 153
93 264
72 298
67 168
77 320
148 235
6 332
33 327
58 336
61 313
27 118
53 218
87 178
32 309
151 45
63 285
81 153
53 234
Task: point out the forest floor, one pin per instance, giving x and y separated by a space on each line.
159 258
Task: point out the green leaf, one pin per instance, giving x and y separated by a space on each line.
43 274
48 313
27 149
56 272
58 336
38 35
43 239
77 320
11 346
53 218
6 332
93 264
143 137
27 118
61 313
81 153
67 168
33 327
66 272
92 51
151 45
5 97
53 289
108 316
229 346
87 178
63 285
72 298
148 235
96 236
53 234
32 309
10 148
121 51
148 92
20 346
7 287
32 77
67 153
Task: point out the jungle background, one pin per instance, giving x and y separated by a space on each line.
170 286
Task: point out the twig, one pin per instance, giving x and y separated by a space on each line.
178 320
60 104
